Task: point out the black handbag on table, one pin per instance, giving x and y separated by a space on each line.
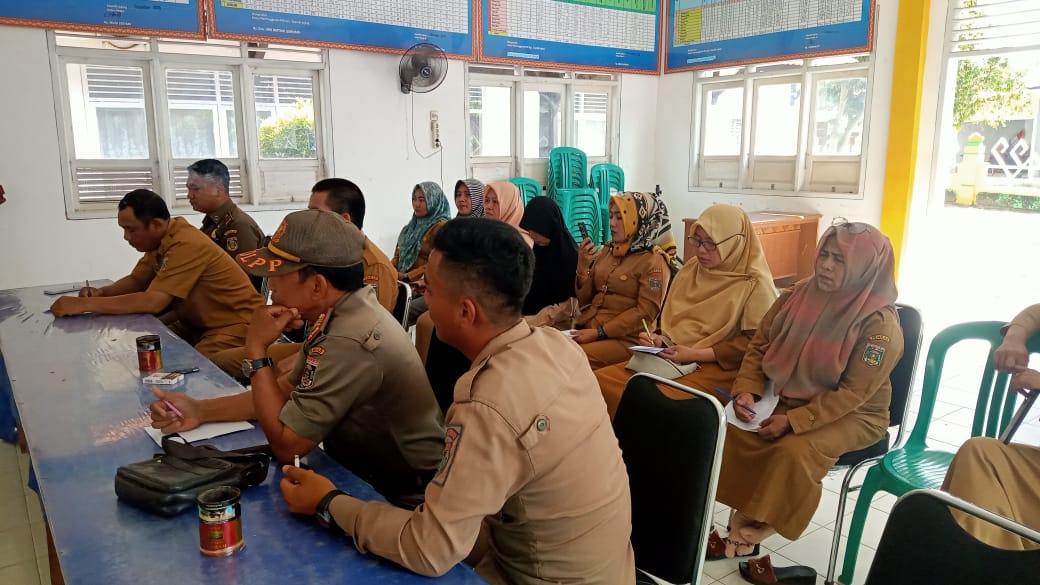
168 483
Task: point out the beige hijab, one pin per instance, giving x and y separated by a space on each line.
708 305
510 205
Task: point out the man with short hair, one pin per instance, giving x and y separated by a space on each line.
358 384
528 447
211 298
345 198
228 226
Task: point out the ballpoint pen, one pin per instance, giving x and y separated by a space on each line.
734 400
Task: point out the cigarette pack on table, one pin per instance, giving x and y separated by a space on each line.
164 378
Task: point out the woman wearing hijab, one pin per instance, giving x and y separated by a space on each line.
713 308
430 213
555 255
826 347
469 198
502 200
623 284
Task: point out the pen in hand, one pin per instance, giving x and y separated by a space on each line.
729 397
173 409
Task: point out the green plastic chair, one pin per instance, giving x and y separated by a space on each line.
529 188
607 179
915 465
579 206
566 170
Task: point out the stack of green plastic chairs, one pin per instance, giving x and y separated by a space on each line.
529 188
607 179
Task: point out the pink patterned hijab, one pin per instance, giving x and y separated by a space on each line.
814 333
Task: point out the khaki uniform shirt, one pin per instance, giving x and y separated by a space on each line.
417 270
530 450
622 292
212 295
1028 319
380 275
361 389
234 231
863 388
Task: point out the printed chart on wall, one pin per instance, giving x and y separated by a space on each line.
600 34
715 33
378 25
170 18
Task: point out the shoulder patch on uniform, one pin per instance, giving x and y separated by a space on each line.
161 265
232 244
316 350
655 284
873 354
452 438
880 337
310 366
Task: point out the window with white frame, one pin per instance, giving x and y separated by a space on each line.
788 127
988 139
517 115
137 111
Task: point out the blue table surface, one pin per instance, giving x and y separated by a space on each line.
83 410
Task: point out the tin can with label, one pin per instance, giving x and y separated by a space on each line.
149 353
220 521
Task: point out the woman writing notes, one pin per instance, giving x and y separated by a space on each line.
826 347
713 308
624 283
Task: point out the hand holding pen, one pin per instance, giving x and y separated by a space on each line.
653 340
740 401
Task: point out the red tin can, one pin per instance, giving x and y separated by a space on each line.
220 521
149 353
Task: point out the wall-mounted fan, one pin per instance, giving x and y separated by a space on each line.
422 68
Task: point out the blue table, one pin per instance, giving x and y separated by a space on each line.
83 409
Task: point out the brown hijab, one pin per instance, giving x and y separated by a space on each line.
813 334
708 305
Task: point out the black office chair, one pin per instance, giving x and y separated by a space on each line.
923 543
673 451
902 378
404 300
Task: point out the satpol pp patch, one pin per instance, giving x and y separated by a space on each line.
873 355
309 369
452 438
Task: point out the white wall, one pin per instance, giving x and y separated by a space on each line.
673 156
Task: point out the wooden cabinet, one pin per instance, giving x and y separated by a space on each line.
788 241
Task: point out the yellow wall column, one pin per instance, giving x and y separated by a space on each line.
904 120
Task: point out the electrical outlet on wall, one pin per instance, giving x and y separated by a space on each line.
435 128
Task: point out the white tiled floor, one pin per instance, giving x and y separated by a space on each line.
23 535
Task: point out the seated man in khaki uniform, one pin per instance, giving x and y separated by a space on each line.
358 384
211 298
227 225
528 450
345 198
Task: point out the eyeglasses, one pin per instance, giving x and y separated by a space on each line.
708 245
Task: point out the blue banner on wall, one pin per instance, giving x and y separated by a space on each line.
706 34
380 25
159 17
618 35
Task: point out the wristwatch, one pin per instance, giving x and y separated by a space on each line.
250 367
322 511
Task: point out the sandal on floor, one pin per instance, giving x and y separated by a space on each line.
762 572
716 550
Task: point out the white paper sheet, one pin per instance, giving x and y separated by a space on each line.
764 408
202 432
647 349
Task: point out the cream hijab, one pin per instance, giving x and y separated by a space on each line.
708 305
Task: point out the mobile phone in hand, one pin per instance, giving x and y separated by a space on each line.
584 232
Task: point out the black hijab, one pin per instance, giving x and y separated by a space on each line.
554 264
